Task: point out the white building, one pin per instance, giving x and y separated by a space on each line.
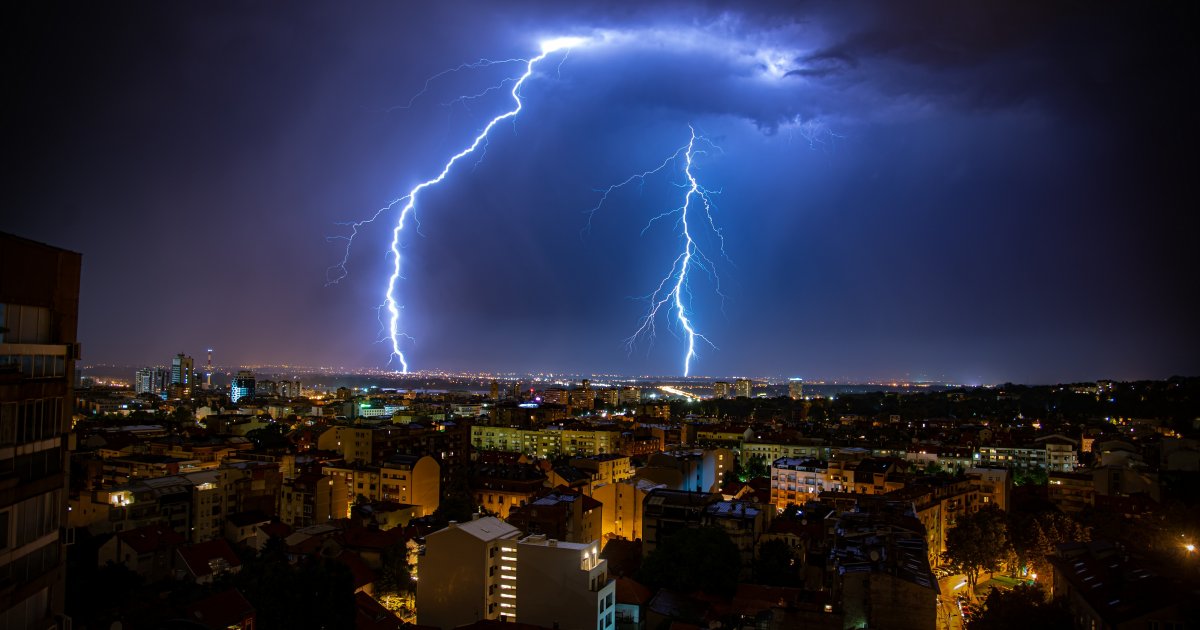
564 585
484 569
468 573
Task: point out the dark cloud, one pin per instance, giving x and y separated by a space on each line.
993 191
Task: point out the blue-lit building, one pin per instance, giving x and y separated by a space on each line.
242 386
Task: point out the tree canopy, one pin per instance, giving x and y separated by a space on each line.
1024 606
777 564
978 542
1034 536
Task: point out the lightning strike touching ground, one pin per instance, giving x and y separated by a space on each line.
671 290
409 201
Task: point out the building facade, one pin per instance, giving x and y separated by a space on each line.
486 569
242 386
39 305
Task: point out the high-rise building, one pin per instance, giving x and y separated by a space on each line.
39 305
796 389
741 388
608 396
151 380
721 389
182 367
266 389
242 386
289 389
208 372
630 395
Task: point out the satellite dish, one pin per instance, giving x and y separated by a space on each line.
874 555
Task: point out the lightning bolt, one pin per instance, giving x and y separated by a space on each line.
408 202
336 273
673 292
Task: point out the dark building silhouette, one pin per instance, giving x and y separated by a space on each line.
39 306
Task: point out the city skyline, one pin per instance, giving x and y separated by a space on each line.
969 194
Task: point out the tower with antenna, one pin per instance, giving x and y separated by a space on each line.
208 371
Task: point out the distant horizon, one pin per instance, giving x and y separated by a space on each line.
117 370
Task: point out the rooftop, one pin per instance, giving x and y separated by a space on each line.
486 528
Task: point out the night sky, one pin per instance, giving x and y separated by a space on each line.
960 191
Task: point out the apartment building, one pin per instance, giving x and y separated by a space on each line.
623 507
605 469
352 443
486 569
564 585
696 470
797 480
881 578
1053 453
307 500
499 489
562 515
468 573
411 480
546 442
39 304
771 449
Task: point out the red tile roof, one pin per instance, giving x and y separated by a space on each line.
198 558
372 538
150 538
631 592
363 575
276 530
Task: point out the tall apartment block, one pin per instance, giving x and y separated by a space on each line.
487 569
39 306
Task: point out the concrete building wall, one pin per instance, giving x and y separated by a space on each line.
468 573
353 443
622 514
878 600
564 585
418 484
